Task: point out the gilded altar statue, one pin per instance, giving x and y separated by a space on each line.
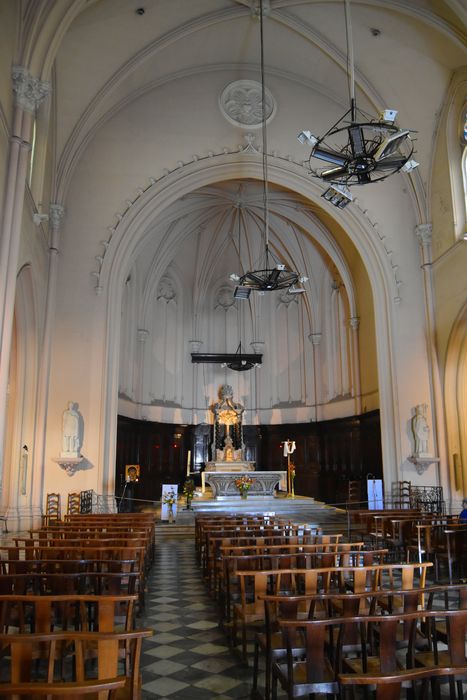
228 437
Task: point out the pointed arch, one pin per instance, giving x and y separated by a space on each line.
455 383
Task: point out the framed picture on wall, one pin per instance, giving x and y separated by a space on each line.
132 472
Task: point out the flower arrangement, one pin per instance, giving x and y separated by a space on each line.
243 484
188 491
189 488
169 498
291 491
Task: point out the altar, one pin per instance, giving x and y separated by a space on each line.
228 455
263 484
230 466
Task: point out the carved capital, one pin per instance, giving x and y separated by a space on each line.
142 334
29 92
424 233
195 345
258 346
315 338
56 214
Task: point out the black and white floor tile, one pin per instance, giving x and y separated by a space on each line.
189 657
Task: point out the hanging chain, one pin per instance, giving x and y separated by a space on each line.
265 140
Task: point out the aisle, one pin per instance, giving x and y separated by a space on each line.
188 657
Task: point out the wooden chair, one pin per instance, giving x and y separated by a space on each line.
104 690
454 622
73 503
403 494
317 673
325 654
388 686
453 552
19 669
53 513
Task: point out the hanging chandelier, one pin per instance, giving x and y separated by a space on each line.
271 274
358 149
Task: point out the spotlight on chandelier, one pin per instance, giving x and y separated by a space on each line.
271 274
360 149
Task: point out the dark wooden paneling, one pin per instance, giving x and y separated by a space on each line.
328 455
160 449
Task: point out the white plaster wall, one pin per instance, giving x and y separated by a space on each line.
160 129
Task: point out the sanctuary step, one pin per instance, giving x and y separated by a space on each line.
299 509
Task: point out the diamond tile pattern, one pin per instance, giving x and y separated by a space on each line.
189 657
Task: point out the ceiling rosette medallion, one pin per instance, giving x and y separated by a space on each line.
240 103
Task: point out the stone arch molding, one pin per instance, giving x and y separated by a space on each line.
135 224
144 196
456 402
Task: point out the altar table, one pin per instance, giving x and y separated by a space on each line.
264 483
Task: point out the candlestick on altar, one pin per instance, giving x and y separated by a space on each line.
188 460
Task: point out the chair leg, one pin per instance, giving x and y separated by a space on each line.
244 654
274 687
255 669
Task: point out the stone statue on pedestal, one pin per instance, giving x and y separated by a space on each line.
70 432
421 431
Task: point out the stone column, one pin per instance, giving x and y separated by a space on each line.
424 234
56 214
258 348
195 346
143 335
315 339
355 349
29 92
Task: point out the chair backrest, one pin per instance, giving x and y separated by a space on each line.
388 686
42 613
24 647
73 503
53 507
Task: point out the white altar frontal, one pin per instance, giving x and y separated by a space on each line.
264 483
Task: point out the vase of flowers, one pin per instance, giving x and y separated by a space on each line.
292 480
188 491
243 484
170 500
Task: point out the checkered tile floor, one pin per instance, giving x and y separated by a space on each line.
188 658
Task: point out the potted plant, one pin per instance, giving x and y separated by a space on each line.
188 491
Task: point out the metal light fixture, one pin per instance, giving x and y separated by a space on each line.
270 274
359 149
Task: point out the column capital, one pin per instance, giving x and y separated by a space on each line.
424 233
29 92
315 338
355 322
195 345
56 214
142 334
258 346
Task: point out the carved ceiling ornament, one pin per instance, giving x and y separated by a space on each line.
29 91
166 290
240 103
225 298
